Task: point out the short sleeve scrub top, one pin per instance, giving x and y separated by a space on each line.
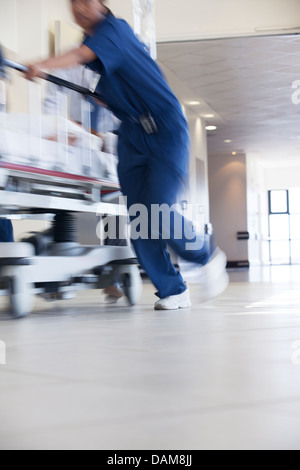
132 86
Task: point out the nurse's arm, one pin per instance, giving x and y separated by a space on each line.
80 56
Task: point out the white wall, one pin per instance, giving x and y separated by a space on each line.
199 19
20 20
198 195
24 35
175 20
8 24
60 11
25 26
22 27
228 203
282 178
258 221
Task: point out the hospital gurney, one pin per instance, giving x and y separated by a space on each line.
39 178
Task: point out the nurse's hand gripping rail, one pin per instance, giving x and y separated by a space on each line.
53 264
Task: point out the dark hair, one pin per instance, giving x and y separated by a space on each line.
103 2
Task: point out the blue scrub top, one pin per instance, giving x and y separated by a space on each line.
131 83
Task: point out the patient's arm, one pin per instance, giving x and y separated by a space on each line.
72 139
73 136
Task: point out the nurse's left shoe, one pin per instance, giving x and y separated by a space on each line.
175 302
212 278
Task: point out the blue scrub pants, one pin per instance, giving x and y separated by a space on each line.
6 231
152 170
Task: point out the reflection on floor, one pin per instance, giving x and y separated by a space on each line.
223 375
279 274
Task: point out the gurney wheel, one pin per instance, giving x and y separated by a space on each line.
21 298
132 285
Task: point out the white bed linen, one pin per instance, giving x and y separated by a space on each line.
25 140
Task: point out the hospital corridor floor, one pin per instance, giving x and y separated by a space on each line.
223 375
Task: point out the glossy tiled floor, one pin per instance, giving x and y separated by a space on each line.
224 375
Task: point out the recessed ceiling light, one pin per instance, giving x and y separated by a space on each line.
234 153
209 116
193 103
211 128
227 141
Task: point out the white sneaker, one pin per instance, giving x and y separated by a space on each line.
175 302
214 287
194 273
216 266
211 278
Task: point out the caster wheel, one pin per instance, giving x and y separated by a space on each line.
132 285
21 297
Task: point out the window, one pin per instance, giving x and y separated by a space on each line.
284 226
278 202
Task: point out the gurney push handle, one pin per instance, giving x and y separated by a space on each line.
49 78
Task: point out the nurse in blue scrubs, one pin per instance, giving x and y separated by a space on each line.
153 138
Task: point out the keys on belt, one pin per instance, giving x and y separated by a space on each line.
148 123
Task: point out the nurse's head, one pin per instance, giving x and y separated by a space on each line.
88 13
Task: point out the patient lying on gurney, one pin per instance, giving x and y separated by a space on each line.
72 138
107 141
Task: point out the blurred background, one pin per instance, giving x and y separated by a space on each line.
225 374
232 65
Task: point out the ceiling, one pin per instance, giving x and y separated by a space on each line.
247 84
